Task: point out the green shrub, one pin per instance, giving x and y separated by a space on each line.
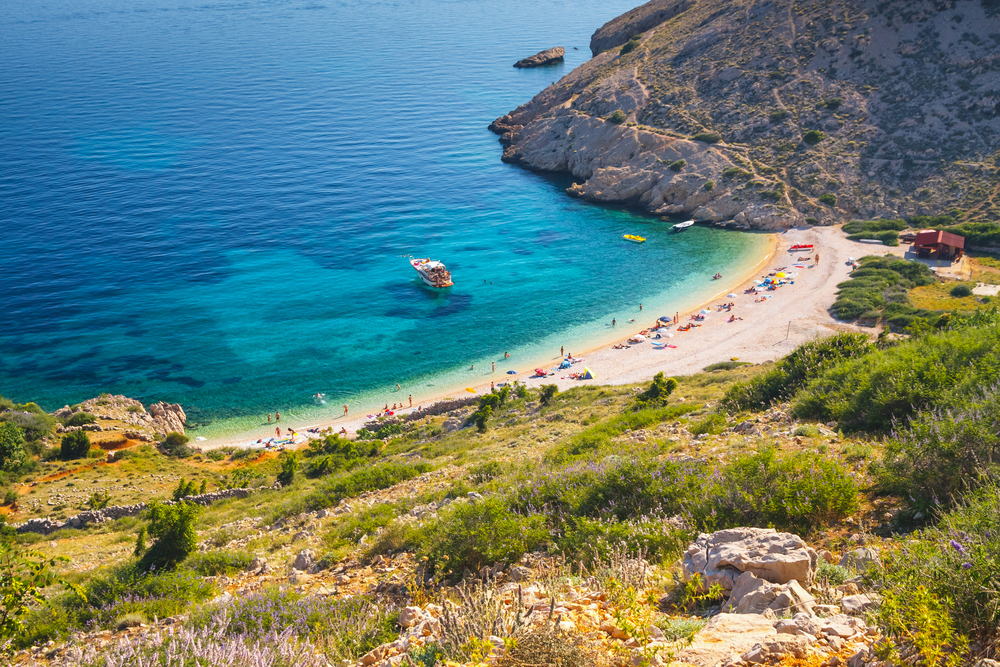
834 103
887 237
724 366
175 444
592 540
74 445
472 535
677 165
356 482
174 537
289 462
657 394
882 284
630 46
794 371
808 431
485 471
216 455
349 530
35 426
98 500
709 186
547 393
828 198
80 419
959 291
597 439
778 115
708 137
858 226
11 446
813 137
713 424
214 563
185 489
618 117
242 478
833 575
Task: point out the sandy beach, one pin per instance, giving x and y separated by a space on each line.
768 330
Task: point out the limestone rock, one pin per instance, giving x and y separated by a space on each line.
617 31
856 604
726 636
168 417
304 560
753 595
860 559
723 556
546 57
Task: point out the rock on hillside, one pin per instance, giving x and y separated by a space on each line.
162 418
547 57
774 112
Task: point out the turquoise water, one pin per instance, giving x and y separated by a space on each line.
207 203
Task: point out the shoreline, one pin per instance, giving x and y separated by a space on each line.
593 347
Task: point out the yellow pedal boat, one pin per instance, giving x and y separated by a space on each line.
634 239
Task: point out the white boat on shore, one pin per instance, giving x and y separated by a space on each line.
680 226
432 272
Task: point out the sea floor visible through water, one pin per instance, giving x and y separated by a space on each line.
211 204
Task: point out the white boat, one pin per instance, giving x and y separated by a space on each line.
432 272
682 225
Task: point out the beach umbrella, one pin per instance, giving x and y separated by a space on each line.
780 274
730 296
511 372
470 390
705 311
639 337
666 318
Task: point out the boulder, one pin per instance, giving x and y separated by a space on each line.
168 417
546 57
304 560
860 559
753 595
856 604
775 648
722 557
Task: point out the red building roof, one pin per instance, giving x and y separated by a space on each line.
929 237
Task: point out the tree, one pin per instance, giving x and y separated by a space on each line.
140 542
175 444
548 392
481 417
289 466
11 446
657 393
74 445
172 529
185 489
504 395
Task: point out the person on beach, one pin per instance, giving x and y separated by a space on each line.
492 388
677 317
345 410
494 367
817 259
386 408
613 321
411 400
277 431
506 355
472 367
562 351
277 416
268 417
398 387
640 307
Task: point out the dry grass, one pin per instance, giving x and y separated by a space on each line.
938 297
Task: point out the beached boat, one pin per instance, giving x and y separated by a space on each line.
432 272
680 226
634 239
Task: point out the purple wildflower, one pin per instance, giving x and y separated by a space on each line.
966 566
958 547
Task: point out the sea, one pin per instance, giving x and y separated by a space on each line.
211 203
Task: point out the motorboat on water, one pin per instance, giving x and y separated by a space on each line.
680 226
634 239
432 272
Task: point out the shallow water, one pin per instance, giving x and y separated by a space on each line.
207 203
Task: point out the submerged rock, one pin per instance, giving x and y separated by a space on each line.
546 57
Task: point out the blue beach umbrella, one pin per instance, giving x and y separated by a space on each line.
511 372
666 318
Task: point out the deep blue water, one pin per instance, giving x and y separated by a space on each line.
206 202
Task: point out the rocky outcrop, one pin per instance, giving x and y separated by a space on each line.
546 57
45 526
724 556
761 118
168 417
619 30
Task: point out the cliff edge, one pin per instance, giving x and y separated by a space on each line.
769 113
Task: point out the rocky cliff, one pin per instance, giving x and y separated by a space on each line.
768 113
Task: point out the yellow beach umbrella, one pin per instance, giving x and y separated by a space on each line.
779 275
470 390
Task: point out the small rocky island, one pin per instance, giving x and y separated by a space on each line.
546 57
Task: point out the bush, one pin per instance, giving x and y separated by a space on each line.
657 394
794 371
11 446
472 535
23 577
959 291
882 284
349 530
214 563
80 419
708 137
175 444
677 165
370 478
34 425
618 117
485 471
593 540
834 103
630 46
185 489
289 466
713 424
808 431
172 529
724 366
813 137
828 198
597 439
709 186
888 237
857 226
74 445
98 500
778 115
547 393
940 370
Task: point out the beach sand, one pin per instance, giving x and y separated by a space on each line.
794 315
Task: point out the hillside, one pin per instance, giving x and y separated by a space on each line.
772 113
